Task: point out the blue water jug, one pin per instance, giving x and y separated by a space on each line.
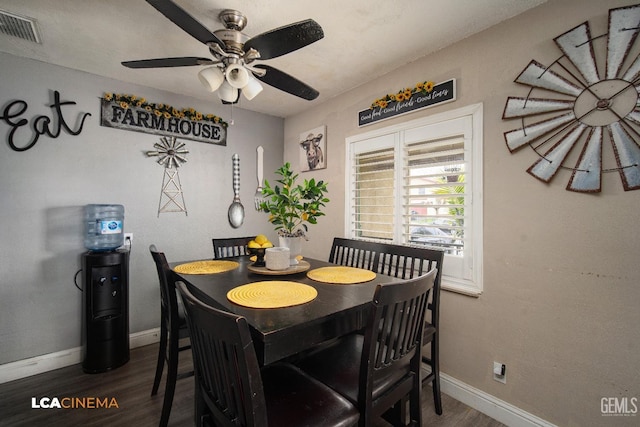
104 227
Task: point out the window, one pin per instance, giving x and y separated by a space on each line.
420 183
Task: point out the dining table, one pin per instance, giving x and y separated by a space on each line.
279 333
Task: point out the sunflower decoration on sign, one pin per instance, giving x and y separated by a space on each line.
403 94
164 110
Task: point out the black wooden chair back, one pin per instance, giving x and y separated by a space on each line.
407 262
404 262
173 328
232 389
230 247
354 253
227 369
380 369
392 340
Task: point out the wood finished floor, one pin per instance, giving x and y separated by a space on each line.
131 385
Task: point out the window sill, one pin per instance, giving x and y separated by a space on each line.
468 290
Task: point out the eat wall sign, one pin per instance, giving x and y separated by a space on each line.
24 133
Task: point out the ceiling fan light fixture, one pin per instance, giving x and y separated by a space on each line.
233 53
252 88
211 78
228 93
237 76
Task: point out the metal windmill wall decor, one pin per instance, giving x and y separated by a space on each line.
171 154
592 124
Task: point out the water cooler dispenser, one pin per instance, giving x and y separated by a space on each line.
106 296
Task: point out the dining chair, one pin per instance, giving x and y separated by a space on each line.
354 253
407 262
173 328
377 370
230 247
231 388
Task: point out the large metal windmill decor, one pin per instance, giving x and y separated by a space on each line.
171 154
589 124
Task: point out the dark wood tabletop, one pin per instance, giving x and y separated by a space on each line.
281 332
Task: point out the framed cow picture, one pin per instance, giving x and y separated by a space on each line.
313 149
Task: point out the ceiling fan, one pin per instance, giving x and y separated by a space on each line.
233 70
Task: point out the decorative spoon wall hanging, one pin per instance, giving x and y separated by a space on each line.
171 154
236 210
593 127
258 198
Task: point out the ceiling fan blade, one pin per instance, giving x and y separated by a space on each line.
168 62
182 19
285 82
285 39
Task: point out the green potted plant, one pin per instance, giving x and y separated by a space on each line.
291 206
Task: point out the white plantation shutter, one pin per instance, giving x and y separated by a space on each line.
372 190
416 186
434 193
373 195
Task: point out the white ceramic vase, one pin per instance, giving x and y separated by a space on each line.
295 247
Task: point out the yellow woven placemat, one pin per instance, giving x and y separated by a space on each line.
272 294
206 267
341 275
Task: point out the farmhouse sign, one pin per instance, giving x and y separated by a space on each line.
417 99
137 115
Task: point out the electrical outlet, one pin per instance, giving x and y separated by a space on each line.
500 372
128 242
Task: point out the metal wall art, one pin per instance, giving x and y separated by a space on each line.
591 123
171 154
236 209
24 133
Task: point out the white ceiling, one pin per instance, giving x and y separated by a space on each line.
364 39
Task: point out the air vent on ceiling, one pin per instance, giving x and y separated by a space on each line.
18 26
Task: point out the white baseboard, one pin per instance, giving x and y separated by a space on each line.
48 362
140 339
470 396
497 409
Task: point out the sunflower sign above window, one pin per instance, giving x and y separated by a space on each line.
421 95
131 112
588 119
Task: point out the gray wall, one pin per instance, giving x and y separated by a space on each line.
45 188
561 270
